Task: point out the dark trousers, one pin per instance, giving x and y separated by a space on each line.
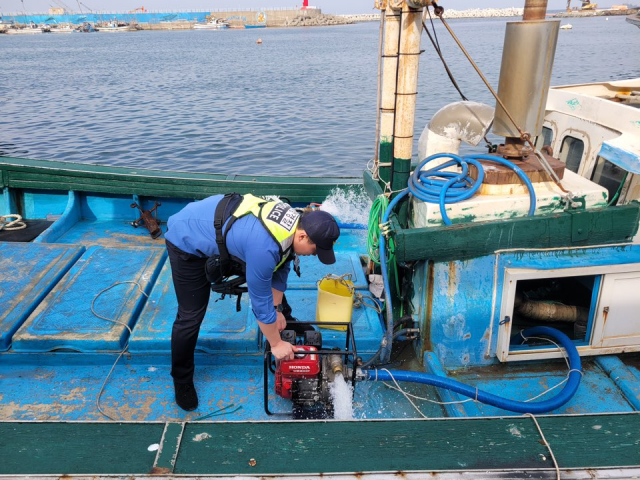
193 291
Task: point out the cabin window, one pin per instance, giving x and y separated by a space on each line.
545 138
609 176
571 153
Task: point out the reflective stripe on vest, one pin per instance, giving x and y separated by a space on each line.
278 218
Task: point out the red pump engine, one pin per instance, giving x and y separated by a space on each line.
305 366
305 379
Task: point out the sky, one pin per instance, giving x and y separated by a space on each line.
327 6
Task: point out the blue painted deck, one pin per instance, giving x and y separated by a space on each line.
27 275
64 319
54 345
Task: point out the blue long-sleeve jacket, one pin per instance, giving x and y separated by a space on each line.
192 231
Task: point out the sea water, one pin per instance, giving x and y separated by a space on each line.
348 206
302 103
342 398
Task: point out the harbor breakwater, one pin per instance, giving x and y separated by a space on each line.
500 12
469 13
276 17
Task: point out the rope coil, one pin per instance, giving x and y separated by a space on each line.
9 225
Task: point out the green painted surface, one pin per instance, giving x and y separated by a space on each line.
245 448
371 186
356 447
470 240
171 439
386 157
42 174
401 170
594 440
59 448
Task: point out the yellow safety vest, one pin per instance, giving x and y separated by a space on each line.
278 218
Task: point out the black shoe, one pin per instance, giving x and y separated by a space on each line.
186 396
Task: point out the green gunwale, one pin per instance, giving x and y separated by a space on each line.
290 447
23 173
610 225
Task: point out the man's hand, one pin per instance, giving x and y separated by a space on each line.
281 322
283 350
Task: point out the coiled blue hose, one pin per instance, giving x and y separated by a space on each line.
568 391
439 186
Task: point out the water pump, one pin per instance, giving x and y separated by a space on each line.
305 379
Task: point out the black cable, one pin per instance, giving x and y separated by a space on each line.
434 28
436 46
439 52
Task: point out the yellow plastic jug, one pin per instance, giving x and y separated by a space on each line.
335 301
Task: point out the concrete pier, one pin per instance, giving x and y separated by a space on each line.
276 17
595 13
500 12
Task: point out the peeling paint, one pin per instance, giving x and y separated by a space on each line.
201 436
453 328
513 430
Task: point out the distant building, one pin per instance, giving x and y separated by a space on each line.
56 11
619 7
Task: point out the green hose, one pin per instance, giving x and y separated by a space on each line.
373 244
615 197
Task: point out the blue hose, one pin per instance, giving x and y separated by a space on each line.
438 186
563 397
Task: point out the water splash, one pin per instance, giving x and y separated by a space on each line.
342 398
348 206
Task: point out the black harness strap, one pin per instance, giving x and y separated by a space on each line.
227 273
224 210
227 265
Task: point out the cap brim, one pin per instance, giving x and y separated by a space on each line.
326 256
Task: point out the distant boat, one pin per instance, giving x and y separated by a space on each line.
5 25
566 26
86 27
255 26
30 29
66 28
115 26
212 24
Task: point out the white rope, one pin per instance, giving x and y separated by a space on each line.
407 395
8 225
403 392
427 399
359 301
126 345
546 444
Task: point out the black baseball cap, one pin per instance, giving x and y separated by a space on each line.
323 230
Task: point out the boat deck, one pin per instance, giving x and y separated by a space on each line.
72 294
53 342
69 306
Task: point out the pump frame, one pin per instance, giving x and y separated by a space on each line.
347 353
